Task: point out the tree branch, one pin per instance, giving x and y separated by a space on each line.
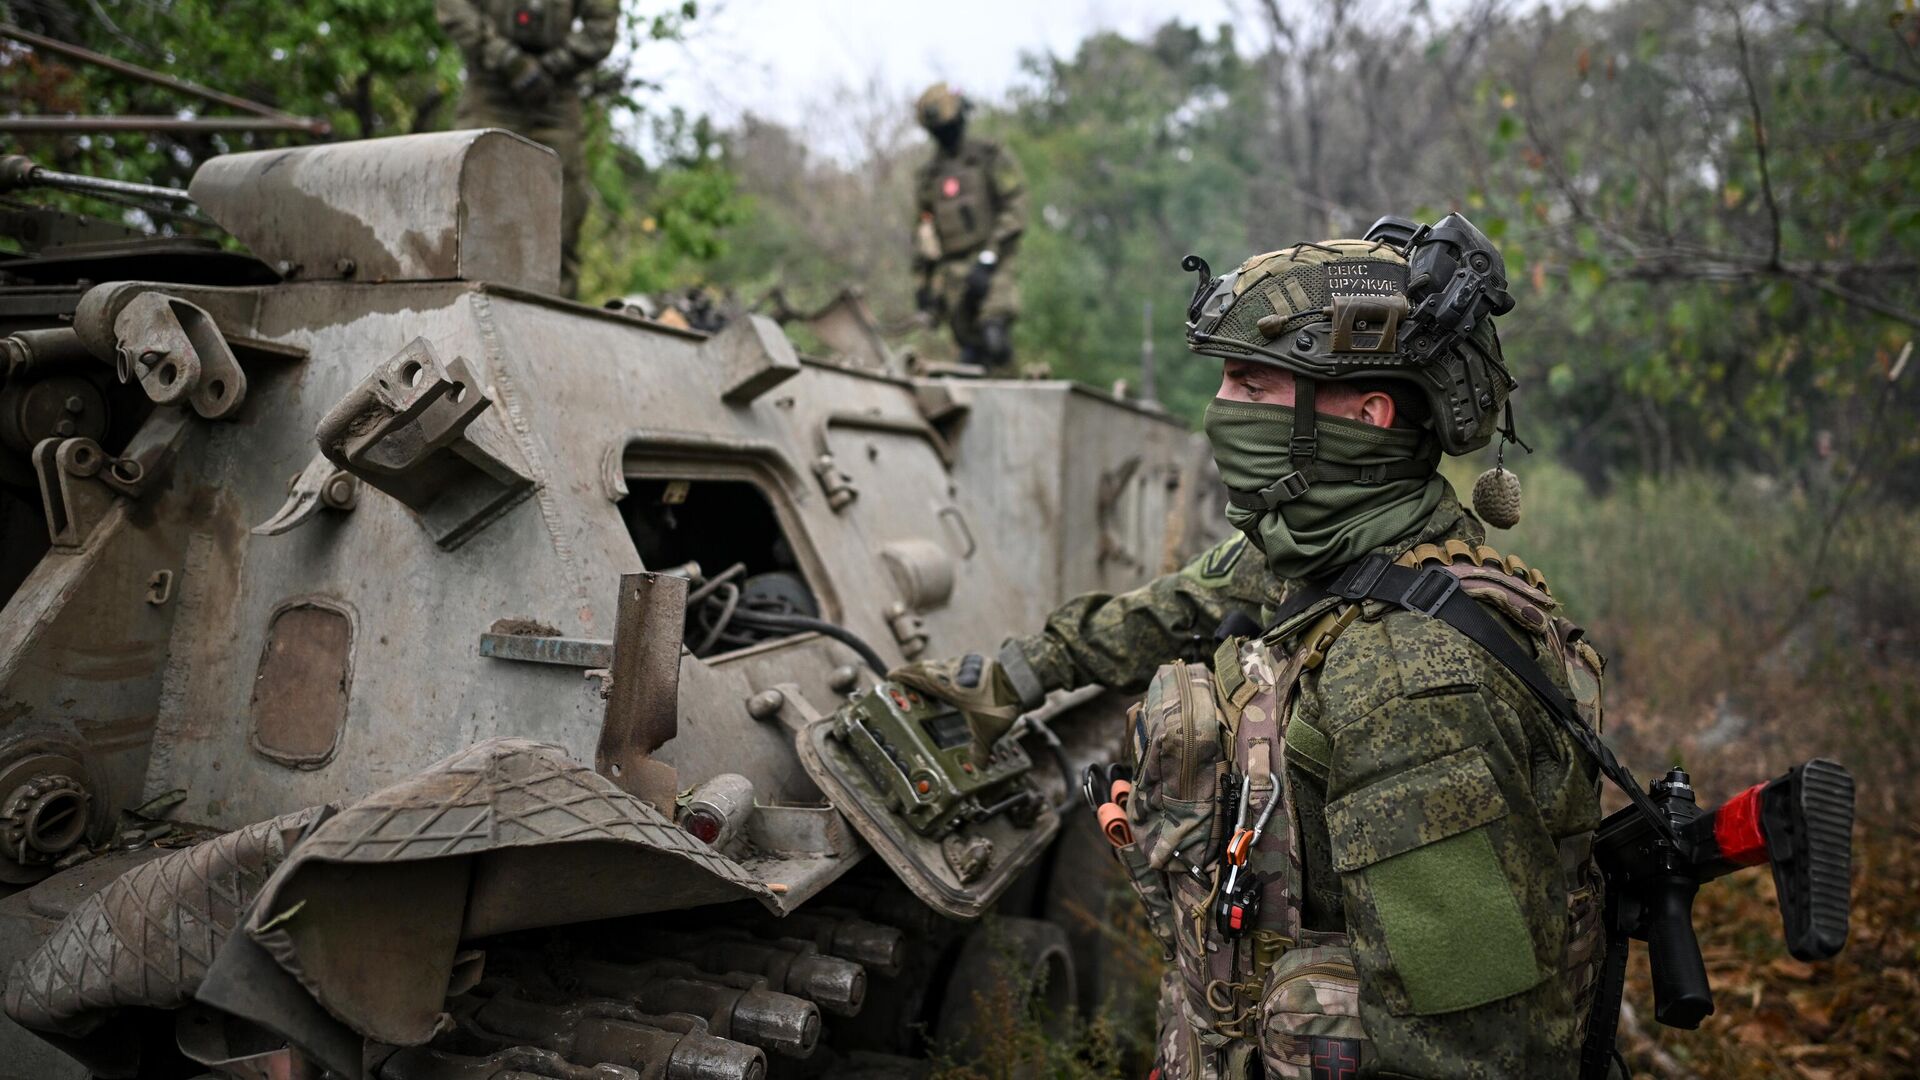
1860 299
1759 132
1860 57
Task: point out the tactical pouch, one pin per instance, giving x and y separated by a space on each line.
963 204
1310 1013
1179 748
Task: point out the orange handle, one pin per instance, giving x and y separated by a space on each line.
1237 847
1113 824
1121 789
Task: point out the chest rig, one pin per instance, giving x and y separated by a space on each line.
1217 858
961 193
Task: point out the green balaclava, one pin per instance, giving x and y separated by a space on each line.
1333 522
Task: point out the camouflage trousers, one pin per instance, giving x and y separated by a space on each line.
559 124
948 281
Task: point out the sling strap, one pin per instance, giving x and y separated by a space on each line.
1435 593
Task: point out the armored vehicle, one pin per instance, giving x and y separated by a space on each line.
406 673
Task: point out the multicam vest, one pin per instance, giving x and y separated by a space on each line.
958 189
1288 995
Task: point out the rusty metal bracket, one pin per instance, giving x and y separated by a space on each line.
643 705
321 485
179 355
70 492
78 479
409 429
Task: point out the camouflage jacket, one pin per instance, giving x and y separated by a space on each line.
972 198
1118 641
1442 814
495 33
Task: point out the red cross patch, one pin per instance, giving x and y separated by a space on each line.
1334 1059
950 186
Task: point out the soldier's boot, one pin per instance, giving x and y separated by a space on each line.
996 343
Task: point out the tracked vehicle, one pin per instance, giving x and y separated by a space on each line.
407 673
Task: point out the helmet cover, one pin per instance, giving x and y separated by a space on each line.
1407 302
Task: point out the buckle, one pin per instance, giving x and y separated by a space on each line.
1356 582
1302 447
1286 489
1430 591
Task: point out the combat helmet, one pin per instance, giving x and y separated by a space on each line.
1406 302
939 106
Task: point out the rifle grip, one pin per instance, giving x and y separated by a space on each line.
1681 995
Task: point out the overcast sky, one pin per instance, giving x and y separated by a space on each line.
784 58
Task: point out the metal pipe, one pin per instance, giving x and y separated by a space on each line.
135 71
15 122
17 171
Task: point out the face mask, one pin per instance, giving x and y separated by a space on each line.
1333 522
948 134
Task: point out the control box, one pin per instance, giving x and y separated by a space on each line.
920 753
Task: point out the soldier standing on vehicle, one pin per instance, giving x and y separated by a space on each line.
971 206
1364 837
526 63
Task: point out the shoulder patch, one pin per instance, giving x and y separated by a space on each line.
1217 563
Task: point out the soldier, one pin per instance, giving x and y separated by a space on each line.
1425 904
526 60
972 207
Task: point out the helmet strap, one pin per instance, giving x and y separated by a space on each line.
1305 426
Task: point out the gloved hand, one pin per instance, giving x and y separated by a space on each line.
974 684
526 78
980 279
924 300
560 64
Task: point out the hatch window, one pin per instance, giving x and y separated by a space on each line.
726 537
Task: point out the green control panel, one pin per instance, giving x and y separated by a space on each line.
920 753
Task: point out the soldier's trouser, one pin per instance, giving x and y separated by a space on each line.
558 123
1002 302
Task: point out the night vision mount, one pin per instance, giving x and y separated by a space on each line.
1455 278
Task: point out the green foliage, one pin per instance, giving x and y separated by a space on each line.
369 68
1132 160
657 227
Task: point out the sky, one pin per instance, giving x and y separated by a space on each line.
783 59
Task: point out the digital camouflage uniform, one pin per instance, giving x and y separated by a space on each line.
1428 905
1405 726
969 197
525 62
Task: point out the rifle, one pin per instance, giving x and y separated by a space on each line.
1801 823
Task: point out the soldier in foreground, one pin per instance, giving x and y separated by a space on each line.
526 60
971 207
1364 844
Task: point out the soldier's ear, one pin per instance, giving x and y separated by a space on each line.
1377 408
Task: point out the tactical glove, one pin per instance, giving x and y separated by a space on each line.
923 300
526 78
974 684
979 280
560 64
